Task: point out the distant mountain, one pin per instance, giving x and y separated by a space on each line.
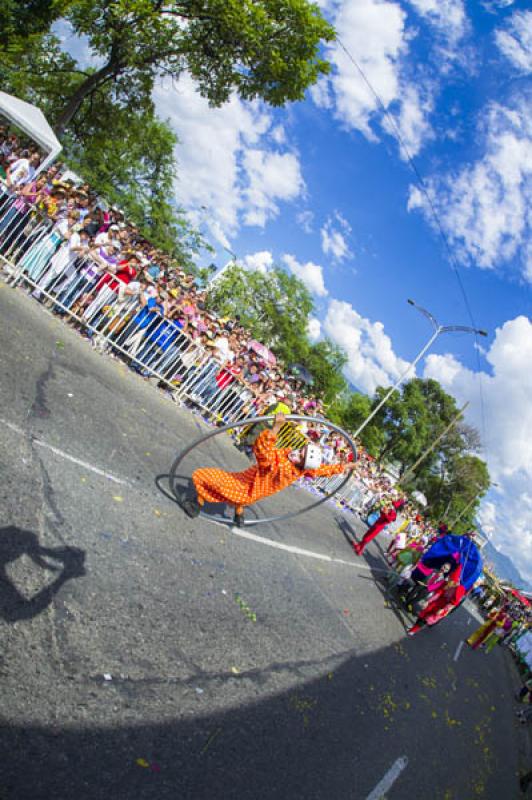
504 566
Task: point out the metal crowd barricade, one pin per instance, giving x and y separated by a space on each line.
23 232
97 300
81 289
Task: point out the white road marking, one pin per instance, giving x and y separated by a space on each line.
66 456
458 651
290 548
383 786
236 531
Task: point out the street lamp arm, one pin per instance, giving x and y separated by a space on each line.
462 329
425 313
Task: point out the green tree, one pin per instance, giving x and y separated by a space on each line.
20 20
412 419
351 411
325 362
257 48
455 490
273 306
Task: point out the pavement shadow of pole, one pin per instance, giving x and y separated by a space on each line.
16 542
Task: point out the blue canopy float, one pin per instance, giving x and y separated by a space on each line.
33 123
458 550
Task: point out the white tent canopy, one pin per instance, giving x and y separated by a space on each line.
33 122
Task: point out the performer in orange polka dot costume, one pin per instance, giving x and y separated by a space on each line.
275 470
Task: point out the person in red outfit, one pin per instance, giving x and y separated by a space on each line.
441 603
387 515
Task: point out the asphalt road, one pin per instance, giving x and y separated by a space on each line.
148 656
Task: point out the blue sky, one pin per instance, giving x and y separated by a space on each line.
323 188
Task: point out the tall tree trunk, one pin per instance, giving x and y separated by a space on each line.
84 90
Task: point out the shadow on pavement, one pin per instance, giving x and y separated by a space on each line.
333 736
16 542
220 512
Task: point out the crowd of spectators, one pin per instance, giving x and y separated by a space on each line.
90 264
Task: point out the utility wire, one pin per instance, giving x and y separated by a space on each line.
424 189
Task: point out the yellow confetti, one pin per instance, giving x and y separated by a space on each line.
235 670
84 480
156 512
147 454
434 715
330 676
142 762
118 498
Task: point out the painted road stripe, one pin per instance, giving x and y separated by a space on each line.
298 551
379 792
65 456
458 651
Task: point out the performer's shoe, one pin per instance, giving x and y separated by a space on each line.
191 508
414 629
238 520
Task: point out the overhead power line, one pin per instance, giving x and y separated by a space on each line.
439 225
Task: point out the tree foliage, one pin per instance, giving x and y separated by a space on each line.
275 307
267 49
451 476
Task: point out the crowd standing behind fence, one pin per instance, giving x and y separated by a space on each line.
88 264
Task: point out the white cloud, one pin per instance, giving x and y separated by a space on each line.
515 40
278 134
506 393
371 359
310 274
272 177
446 16
314 329
487 516
375 32
305 220
334 235
321 93
492 5
224 166
258 262
412 120
485 206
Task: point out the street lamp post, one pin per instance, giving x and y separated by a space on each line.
437 330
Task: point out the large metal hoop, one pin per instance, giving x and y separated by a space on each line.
252 421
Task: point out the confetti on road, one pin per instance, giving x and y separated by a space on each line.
118 498
59 344
235 670
246 610
107 676
198 690
210 740
142 763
